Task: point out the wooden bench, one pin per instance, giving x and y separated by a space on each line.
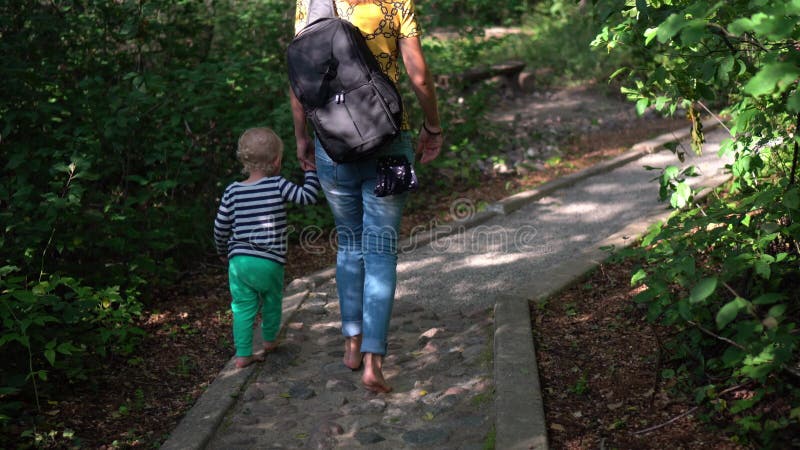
508 74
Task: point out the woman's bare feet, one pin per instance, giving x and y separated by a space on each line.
244 361
373 374
352 352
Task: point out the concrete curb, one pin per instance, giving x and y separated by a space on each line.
520 420
200 423
519 410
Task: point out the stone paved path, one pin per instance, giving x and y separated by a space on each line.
440 350
440 366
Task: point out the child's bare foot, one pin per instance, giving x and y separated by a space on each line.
270 346
373 374
352 352
244 361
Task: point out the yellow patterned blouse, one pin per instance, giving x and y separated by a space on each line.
382 22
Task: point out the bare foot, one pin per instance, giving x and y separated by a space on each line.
270 346
373 374
352 352
244 361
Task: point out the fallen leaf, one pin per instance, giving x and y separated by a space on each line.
557 427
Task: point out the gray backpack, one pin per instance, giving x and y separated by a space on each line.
354 107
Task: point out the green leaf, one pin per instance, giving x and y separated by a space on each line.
693 32
775 76
769 298
649 35
641 105
638 277
793 103
618 72
777 311
746 220
725 69
703 289
729 311
680 198
670 27
763 268
50 354
791 199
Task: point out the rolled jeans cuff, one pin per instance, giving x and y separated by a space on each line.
351 328
372 345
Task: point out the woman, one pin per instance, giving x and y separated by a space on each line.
367 226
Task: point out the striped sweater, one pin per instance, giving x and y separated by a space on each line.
251 219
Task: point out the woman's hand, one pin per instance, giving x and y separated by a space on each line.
429 144
305 153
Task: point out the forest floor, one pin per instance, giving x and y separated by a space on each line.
137 400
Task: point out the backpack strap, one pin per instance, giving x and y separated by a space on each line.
321 9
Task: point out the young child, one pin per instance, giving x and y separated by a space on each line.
250 228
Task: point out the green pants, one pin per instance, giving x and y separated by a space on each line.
255 283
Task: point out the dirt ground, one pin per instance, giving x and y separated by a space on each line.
136 401
600 366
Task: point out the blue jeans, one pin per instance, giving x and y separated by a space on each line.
367 227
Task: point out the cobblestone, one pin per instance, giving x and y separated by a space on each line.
302 396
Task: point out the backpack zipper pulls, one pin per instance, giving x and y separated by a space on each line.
340 98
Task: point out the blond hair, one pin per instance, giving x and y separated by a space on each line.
258 149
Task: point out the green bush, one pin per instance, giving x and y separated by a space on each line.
57 326
118 122
725 273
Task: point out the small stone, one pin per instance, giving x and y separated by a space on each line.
472 354
430 347
301 391
336 368
322 435
253 393
455 390
317 299
368 437
297 285
264 409
434 436
377 405
286 425
318 310
393 412
409 328
430 333
374 406
399 360
447 402
247 420
456 371
467 422
340 386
